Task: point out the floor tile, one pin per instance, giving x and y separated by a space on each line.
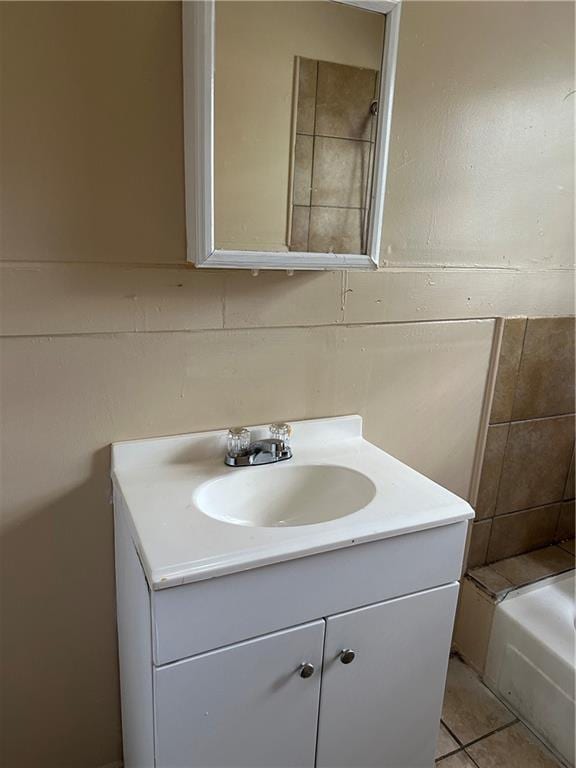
508 364
491 580
534 566
459 760
513 747
470 709
445 743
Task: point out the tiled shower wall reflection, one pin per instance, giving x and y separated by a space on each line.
333 157
526 495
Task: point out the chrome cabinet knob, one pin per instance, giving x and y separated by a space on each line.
347 656
306 670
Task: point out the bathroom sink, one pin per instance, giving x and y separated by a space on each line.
285 495
192 517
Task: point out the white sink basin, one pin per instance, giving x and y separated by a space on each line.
272 496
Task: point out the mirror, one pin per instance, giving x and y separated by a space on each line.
287 113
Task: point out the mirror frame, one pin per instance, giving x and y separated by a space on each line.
198 33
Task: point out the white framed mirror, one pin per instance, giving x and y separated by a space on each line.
287 112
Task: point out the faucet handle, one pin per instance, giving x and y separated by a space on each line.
281 431
238 440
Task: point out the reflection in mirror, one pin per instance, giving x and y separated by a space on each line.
295 104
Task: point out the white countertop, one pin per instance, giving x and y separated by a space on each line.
155 481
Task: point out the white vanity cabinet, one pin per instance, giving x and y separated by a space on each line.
258 704
231 637
246 704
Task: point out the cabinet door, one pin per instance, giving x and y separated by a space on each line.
383 708
244 706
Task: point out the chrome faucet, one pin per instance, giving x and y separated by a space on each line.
242 452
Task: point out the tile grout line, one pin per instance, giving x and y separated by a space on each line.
451 732
515 721
531 418
467 705
528 509
449 754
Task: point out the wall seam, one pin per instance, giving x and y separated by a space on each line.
241 329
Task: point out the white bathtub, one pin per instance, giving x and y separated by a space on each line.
530 662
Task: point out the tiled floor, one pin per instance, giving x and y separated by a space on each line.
478 731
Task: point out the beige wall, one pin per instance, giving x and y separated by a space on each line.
109 335
482 162
256 43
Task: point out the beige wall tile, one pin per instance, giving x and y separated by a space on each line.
343 101
307 75
524 531
335 230
341 168
303 151
508 364
491 470
470 709
566 521
569 490
479 543
536 463
524 569
300 228
546 377
513 747
473 624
